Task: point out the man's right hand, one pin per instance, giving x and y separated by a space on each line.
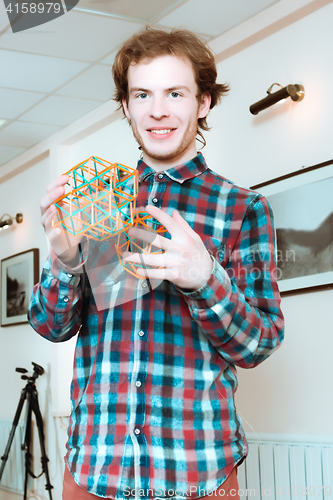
64 245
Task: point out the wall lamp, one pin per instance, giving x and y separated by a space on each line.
296 92
8 221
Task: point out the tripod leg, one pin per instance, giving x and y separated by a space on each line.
12 432
27 444
39 422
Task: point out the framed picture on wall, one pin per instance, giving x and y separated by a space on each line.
302 202
19 273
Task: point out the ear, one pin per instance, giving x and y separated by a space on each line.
125 108
204 105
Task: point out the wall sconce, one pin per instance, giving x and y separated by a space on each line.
9 220
296 92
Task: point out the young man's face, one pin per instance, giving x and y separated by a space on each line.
163 110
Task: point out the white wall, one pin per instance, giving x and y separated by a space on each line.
291 392
20 344
289 135
114 143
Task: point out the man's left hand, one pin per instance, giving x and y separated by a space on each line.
185 261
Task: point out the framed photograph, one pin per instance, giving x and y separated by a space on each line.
19 273
302 203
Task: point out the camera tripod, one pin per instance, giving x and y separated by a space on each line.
29 393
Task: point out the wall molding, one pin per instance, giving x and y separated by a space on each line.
305 439
263 25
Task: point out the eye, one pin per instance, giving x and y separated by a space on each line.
174 94
143 95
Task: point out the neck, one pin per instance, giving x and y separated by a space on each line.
163 164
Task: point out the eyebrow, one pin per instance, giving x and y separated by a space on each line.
170 89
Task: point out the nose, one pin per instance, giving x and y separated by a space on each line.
159 108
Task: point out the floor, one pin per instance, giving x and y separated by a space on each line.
7 495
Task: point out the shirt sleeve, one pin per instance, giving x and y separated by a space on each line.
56 303
239 307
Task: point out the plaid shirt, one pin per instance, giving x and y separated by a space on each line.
153 410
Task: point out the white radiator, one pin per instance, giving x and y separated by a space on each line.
13 475
282 470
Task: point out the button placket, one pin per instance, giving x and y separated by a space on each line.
157 189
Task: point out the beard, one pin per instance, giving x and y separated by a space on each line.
189 136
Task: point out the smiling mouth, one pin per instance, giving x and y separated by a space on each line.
161 132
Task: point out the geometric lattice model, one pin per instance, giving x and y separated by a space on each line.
101 199
125 243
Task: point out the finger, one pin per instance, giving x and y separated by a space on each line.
182 222
50 198
49 220
61 241
159 274
59 181
158 260
185 225
149 237
49 212
165 219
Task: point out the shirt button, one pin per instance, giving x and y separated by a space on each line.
144 284
69 275
137 431
66 299
138 383
154 200
141 333
160 176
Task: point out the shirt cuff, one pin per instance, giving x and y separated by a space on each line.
212 292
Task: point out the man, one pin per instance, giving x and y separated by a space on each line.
155 363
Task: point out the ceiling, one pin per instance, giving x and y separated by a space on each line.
55 73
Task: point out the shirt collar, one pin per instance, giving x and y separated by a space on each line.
192 168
